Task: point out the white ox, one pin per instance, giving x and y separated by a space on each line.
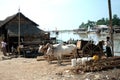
39 49
43 48
60 50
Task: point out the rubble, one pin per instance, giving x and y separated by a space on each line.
102 64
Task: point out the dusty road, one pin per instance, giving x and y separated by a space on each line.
31 69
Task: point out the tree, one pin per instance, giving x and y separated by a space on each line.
89 23
107 21
101 22
115 20
82 25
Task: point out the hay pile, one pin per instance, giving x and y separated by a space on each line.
102 64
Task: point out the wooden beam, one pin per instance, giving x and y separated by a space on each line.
111 28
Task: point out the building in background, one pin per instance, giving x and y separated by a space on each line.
29 31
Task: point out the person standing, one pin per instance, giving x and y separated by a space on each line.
3 47
108 47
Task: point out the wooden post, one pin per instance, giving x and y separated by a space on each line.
18 31
111 28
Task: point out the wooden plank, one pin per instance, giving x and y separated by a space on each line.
78 44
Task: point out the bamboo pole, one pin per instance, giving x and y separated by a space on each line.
111 28
19 31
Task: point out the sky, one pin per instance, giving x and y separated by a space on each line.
59 14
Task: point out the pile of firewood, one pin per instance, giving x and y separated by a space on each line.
102 64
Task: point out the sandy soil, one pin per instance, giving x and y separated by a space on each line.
31 69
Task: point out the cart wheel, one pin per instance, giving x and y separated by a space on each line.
91 49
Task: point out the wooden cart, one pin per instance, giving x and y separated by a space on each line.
88 48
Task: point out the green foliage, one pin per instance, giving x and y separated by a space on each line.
116 20
103 21
89 23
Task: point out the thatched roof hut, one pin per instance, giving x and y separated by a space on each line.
9 29
27 26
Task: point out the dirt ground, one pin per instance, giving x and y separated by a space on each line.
31 69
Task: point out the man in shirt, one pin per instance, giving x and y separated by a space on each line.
3 47
108 47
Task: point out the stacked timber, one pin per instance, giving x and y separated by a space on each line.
102 64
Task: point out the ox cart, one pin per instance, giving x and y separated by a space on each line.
88 48
27 49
